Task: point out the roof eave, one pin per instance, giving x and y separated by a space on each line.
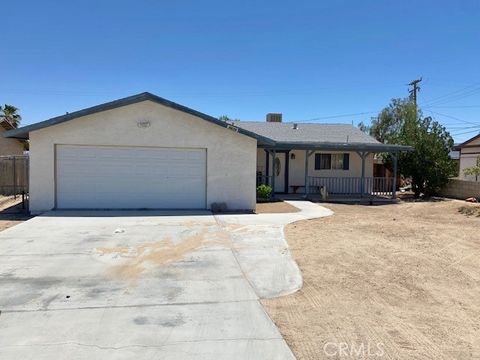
340 146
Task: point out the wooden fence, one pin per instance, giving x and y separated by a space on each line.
14 175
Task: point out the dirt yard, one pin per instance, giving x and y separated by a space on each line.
275 207
11 212
385 282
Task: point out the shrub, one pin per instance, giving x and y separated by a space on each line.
264 192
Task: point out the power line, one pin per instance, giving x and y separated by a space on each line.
340 116
466 132
452 93
458 128
447 99
453 117
454 107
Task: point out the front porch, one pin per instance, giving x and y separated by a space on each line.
336 188
343 172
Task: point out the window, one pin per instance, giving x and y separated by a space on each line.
323 161
337 161
332 161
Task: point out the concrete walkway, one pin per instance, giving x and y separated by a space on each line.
262 252
144 285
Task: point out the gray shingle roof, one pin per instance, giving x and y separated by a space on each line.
307 132
272 135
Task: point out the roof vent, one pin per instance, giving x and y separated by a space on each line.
274 117
295 126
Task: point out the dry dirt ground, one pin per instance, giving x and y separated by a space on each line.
399 281
11 212
275 207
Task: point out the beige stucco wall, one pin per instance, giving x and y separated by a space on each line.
461 189
231 157
10 146
297 166
468 158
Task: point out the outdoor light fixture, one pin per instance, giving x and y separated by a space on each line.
143 124
292 156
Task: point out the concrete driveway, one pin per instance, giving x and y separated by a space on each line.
144 285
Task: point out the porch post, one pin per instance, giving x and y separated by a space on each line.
273 173
363 155
267 167
308 153
287 171
363 175
306 174
394 186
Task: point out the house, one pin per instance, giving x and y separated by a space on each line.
144 151
469 152
337 156
10 146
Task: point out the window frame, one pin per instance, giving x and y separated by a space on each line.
336 161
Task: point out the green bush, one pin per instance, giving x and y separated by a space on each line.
264 192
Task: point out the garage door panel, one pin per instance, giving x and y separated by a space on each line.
126 177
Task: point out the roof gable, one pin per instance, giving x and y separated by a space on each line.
474 141
23 132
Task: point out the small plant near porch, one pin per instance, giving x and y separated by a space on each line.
264 192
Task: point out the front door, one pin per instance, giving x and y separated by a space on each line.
279 169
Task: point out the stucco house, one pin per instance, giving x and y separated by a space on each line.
10 146
144 151
469 152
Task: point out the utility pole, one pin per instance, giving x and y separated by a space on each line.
413 91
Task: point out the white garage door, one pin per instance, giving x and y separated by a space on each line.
104 177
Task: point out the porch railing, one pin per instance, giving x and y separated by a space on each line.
351 185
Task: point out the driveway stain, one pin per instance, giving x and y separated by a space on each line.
137 260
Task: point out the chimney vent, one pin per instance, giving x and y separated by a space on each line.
274 117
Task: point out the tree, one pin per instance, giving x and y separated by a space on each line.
429 165
10 113
473 170
224 118
227 118
364 127
399 115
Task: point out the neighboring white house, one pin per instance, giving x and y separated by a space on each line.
144 151
469 152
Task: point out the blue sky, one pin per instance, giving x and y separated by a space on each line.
310 60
